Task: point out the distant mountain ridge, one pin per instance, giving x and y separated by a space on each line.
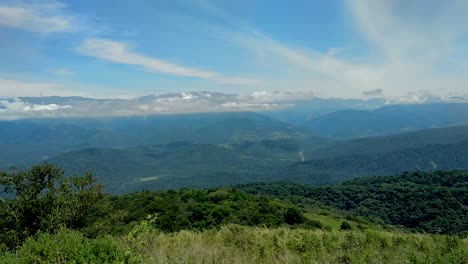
346 124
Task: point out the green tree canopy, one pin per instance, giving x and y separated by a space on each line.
43 199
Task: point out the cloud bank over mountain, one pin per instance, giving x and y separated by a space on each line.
176 103
193 102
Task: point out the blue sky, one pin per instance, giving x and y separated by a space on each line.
345 49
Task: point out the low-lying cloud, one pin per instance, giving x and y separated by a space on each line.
16 108
180 103
177 103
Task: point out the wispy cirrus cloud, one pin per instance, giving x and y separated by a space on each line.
40 18
306 69
417 43
120 52
413 47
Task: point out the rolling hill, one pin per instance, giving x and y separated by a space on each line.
185 164
425 158
434 202
383 144
28 141
173 165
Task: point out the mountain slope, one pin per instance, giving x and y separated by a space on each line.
383 144
429 157
389 120
31 140
184 164
435 202
168 166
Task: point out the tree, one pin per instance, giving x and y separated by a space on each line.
43 199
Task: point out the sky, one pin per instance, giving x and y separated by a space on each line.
340 49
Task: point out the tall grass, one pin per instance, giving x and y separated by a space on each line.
237 244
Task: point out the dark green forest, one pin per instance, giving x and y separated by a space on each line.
434 202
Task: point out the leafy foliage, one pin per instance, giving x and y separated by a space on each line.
201 209
42 199
68 246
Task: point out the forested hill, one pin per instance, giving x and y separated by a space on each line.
28 141
435 202
333 170
383 144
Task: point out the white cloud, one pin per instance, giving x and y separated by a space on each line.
16 108
302 69
417 43
281 96
42 18
187 102
120 52
16 105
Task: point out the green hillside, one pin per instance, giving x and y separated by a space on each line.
383 144
431 202
169 166
184 164
332 170
28 141
255 223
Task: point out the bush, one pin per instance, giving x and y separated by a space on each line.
68 246
346 226
42 199
293 216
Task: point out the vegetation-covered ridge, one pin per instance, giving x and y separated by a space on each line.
305 160
435 202
71 220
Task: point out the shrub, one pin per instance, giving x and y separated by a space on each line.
68 246
42 199
346 226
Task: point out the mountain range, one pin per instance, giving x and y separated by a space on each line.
186 164
317 141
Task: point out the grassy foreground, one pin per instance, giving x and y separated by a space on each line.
238 244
